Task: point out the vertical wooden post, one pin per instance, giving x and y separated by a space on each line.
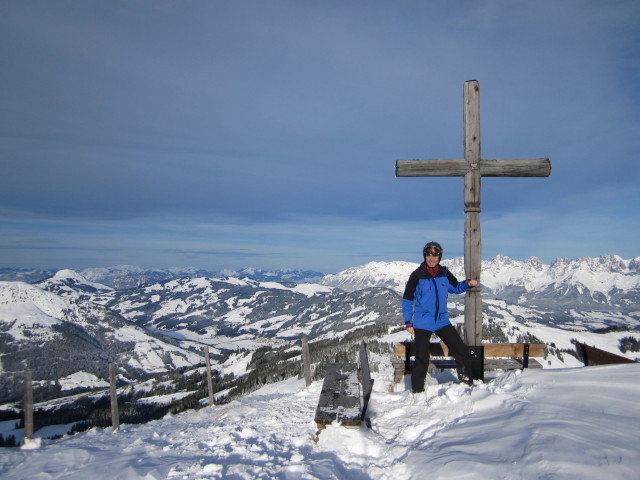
209 381
28 405
367 381
472 235
115 415
306 361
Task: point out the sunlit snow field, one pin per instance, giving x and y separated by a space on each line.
571 423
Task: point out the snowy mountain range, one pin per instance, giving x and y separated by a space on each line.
599 283
67 323
124 277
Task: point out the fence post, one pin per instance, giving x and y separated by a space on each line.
306 361
367 381
28 405
115 416
209 381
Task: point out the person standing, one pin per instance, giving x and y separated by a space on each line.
424 307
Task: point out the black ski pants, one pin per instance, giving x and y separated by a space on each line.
457 349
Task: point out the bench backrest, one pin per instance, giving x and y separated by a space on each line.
595 356
507 350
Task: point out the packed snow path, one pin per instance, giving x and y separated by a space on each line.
579 423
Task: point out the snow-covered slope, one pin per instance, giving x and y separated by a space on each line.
562 424
391 275
27 312
216 311
56 336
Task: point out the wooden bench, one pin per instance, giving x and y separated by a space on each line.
488 356
595 356
341 399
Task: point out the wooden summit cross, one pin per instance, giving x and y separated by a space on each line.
472 167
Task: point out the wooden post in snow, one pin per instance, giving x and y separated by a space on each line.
306 361
28 405
209 380
115 415
472 168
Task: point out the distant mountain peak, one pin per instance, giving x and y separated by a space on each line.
392 275
68 281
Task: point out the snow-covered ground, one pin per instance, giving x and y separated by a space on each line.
571 423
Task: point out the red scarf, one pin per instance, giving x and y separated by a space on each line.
433 271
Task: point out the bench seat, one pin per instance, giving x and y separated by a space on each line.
495 356
340 398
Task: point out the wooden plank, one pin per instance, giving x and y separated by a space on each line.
533 167
435 349
471 117
306 361
340 396
367 381
594 356
504 167
115 416
490 349
473 296
472 234
432 168
449 363
492 363
509 363
27 406
207 362
514 349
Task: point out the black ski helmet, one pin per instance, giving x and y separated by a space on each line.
434 245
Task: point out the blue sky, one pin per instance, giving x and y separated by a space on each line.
264 133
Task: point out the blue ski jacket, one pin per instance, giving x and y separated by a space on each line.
424 303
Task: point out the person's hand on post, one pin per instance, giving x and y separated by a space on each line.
472 283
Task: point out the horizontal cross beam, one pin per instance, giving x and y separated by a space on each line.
536 167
